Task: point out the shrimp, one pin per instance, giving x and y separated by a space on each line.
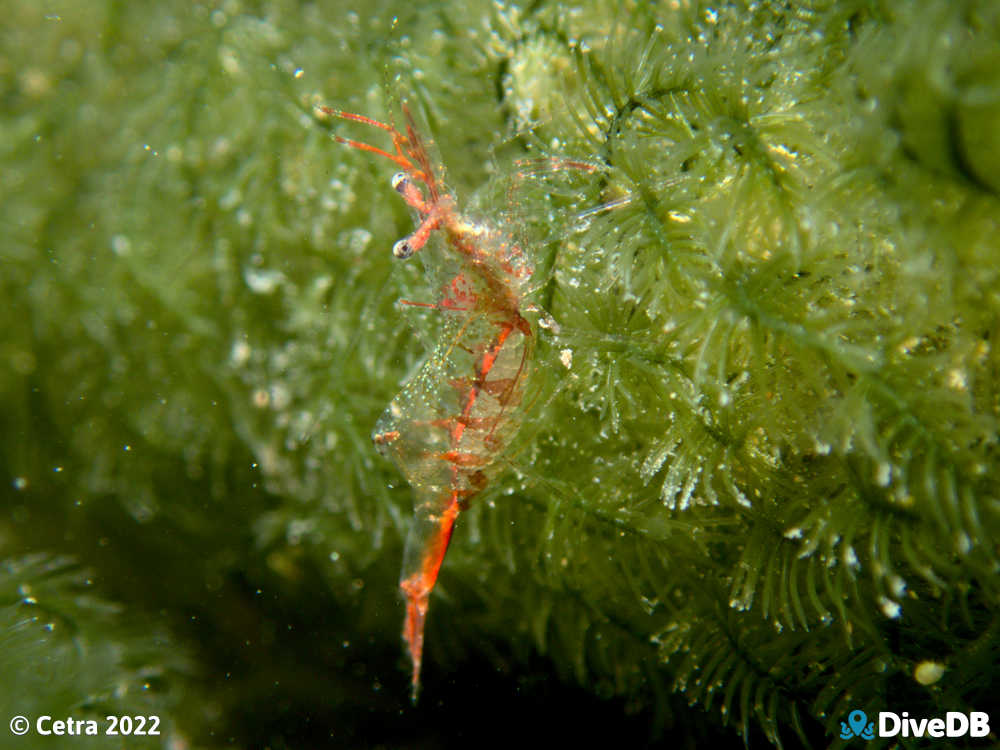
451 421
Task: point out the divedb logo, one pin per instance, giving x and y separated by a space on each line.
954 724
890 724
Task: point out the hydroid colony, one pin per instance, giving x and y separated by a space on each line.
767 479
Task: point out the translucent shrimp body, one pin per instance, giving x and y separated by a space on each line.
452 420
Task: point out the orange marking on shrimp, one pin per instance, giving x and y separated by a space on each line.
469 423
432 417
382 438
490 357
463 459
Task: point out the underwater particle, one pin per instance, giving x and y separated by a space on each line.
883 473
20 483
566 357
358 240
889 608
280 396
230 200
928 672
121 245
957 379
898 586
35 83
263 281
239 355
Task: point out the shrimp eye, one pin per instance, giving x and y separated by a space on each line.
402 249
399 181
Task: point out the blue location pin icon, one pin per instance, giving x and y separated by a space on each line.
857 720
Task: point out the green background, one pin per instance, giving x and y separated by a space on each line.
755 486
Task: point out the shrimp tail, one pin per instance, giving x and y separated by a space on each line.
425 550
413 632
